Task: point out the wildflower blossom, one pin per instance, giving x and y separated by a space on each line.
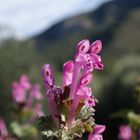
27 96
73 102
3 129
125 132
96 134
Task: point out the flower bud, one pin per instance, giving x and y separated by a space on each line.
96 47
47 74
83 46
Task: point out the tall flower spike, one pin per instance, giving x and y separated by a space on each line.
47 74
67 73
71 106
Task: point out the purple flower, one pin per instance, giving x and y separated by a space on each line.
18 93
67 73
38 110
24 82
125 132
96 47
3 129
34 94
47 74
51 94
87 60
83 46
76 78
86 79
96 134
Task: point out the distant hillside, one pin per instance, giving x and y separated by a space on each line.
101 23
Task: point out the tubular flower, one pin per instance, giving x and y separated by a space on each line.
71 106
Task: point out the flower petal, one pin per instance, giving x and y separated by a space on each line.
67 73
47 74
98 129
83 46
86 79
96 47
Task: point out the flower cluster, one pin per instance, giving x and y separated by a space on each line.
26 96
71 106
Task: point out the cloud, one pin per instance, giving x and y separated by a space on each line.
27 17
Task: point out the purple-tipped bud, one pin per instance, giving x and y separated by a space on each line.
24 82
86 79
96 47
47 74
83 46
67 73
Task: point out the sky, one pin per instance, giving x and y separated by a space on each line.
25 18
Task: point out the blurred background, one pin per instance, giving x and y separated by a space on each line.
36 32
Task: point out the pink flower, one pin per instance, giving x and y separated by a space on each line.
48 76
125 132
86 79
77 75
38 110
96 135
90 101
67 73
96 47
83 46
18 93
87 60
51 94
34 94
3 129
24 82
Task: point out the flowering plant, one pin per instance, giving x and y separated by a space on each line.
72 105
